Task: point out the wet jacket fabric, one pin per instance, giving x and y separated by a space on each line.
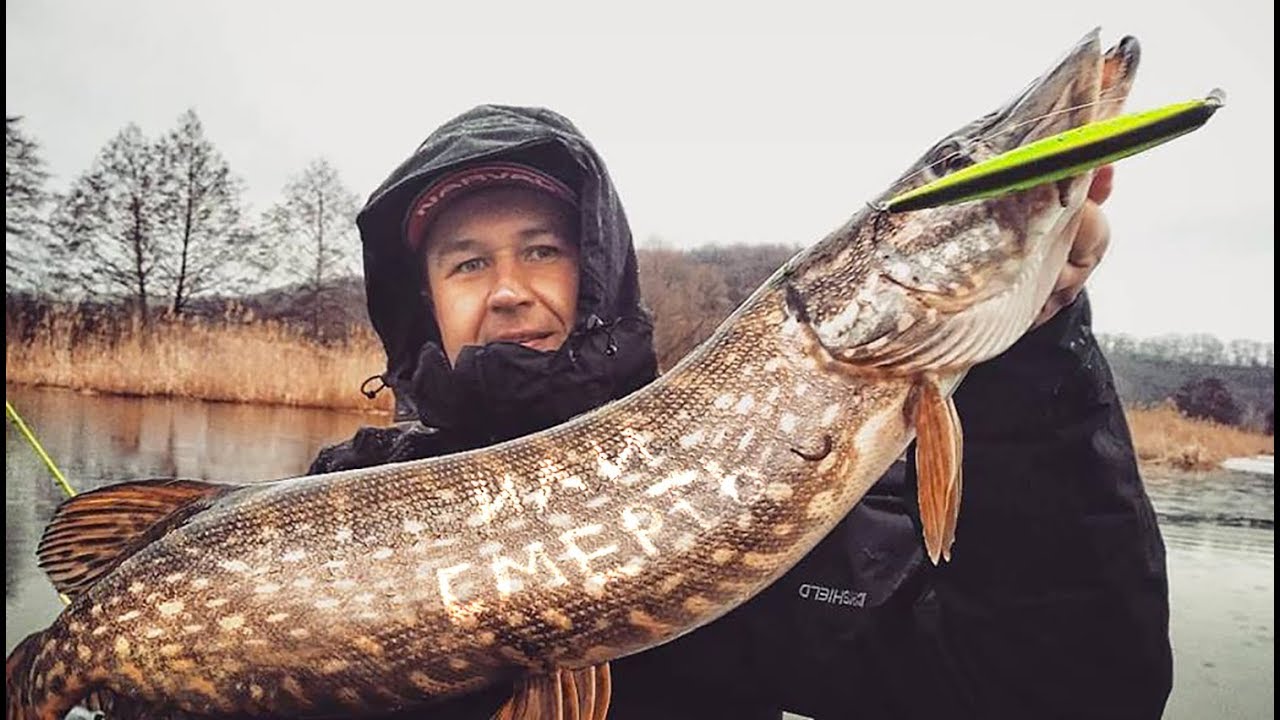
1055 603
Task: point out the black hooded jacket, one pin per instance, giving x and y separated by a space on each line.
503 390
1055 603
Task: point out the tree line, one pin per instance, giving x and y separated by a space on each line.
1198 349
158 223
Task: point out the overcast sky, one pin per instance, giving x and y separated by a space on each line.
720 125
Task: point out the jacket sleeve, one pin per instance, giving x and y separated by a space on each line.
368 447
1056 601
372 446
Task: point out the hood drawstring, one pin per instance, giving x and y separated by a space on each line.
371 394
594 322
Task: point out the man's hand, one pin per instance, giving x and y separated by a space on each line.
1092 235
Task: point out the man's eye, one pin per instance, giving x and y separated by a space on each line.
468 266
543 252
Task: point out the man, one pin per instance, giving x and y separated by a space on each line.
502 280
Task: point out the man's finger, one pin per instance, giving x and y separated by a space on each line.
1058 300
1092 237
1100 188
1072 276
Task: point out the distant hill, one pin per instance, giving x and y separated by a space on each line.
1144 380
341 306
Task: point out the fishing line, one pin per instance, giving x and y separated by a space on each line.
18 422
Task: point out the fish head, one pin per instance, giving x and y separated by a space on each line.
943 288
1085 85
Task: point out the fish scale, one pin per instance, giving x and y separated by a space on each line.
487 569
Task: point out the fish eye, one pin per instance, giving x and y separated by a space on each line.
950 156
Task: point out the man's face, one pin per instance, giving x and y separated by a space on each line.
502 265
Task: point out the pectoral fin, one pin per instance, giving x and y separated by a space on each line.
939 448
535 697
586 692
562 695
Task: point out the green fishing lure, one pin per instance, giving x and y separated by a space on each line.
1066 154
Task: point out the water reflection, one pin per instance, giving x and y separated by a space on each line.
98 440
1219 529
1219 498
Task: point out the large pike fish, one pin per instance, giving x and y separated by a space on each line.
535 562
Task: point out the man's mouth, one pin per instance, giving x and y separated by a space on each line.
537 340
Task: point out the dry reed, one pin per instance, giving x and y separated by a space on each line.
248 362
1163 436
271 363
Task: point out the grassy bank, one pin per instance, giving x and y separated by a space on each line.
255 362
1163 436
271 363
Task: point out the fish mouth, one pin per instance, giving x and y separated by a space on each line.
1085 85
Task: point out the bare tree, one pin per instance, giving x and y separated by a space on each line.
1206 349
1196 349
315 224
744 267
687 300
1208 398
689 293
107 223
26 252
207 245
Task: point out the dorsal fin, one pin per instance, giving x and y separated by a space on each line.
92 533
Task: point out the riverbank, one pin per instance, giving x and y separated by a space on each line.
269 363
263 363
1165 438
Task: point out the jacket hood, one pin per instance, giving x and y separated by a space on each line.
608 288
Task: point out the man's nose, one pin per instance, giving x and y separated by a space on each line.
510 288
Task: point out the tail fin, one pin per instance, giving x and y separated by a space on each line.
18 688
33 693
30 697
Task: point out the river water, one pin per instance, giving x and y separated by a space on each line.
1219 527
